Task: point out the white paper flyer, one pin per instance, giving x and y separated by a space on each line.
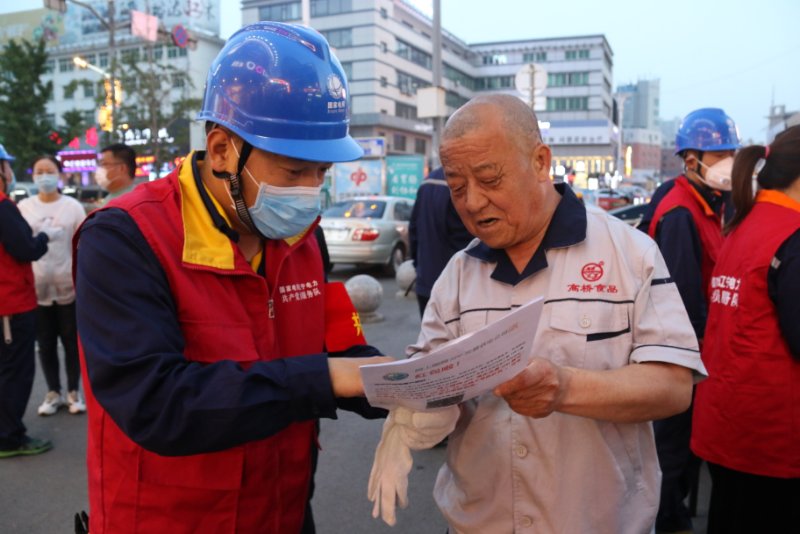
460 370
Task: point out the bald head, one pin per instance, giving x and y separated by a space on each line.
518 119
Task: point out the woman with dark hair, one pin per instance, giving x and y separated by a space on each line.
747 413
55 291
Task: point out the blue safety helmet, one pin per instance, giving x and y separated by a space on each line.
5 155
280 88
707 129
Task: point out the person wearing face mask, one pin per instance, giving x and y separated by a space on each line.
745 415
687 225
116 168
18 248
210 341
55 291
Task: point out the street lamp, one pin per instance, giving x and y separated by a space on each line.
113 89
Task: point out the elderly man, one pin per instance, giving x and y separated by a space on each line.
567 445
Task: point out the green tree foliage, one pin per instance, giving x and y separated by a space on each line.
24 128
155 99
74 126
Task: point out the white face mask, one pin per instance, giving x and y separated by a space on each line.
718 176
101 177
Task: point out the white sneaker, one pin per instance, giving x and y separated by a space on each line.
52 402
76 404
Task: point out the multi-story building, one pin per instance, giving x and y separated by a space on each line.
671 165
639 104
386 49
78 32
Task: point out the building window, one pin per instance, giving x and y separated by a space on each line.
182 52
347 67
172 51
88 116
130 55
494 82
495 59
459 77
405 111
88 90
320 8
572 103
414 54
572 55
177 80
339 38
454 100
103 59
158 52
384 47
49 66
408 84
541 56
419 146
280 12
65 64
562 79
400 142
69 92
384 81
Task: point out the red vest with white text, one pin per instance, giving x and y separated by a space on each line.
747 412
17 290
708 223
257 487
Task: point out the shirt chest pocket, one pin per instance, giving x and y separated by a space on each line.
587 334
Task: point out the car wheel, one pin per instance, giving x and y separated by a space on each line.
396 259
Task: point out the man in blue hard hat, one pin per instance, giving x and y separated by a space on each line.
208 331
18 248
687 225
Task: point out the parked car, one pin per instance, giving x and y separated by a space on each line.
90 196
608 199
368 230
631 214
24 190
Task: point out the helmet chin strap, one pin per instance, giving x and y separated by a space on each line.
236 189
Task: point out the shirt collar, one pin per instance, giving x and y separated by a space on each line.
566 228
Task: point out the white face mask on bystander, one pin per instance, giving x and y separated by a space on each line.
718 176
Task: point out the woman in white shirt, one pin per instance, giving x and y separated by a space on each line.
55 291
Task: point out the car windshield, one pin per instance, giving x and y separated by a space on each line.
357 209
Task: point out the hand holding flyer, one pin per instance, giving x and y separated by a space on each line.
459 370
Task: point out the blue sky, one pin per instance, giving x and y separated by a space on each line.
736 54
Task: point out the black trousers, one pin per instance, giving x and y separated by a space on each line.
17 367
744 503
679 468
58 321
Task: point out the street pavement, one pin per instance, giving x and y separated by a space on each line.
40 494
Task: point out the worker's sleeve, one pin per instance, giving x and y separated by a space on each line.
783 285
680 246
133 347
17 237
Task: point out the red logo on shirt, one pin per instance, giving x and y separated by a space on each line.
592 272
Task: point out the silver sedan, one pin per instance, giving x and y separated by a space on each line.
368 230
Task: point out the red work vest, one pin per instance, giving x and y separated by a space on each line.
17 290
708 223
257 487
747 412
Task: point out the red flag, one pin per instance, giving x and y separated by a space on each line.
342 323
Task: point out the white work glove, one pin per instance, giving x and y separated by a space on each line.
403 430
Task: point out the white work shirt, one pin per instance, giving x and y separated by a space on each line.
609 302
53 271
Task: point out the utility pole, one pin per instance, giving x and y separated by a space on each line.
437 80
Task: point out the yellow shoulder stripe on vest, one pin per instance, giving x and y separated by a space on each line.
203 244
